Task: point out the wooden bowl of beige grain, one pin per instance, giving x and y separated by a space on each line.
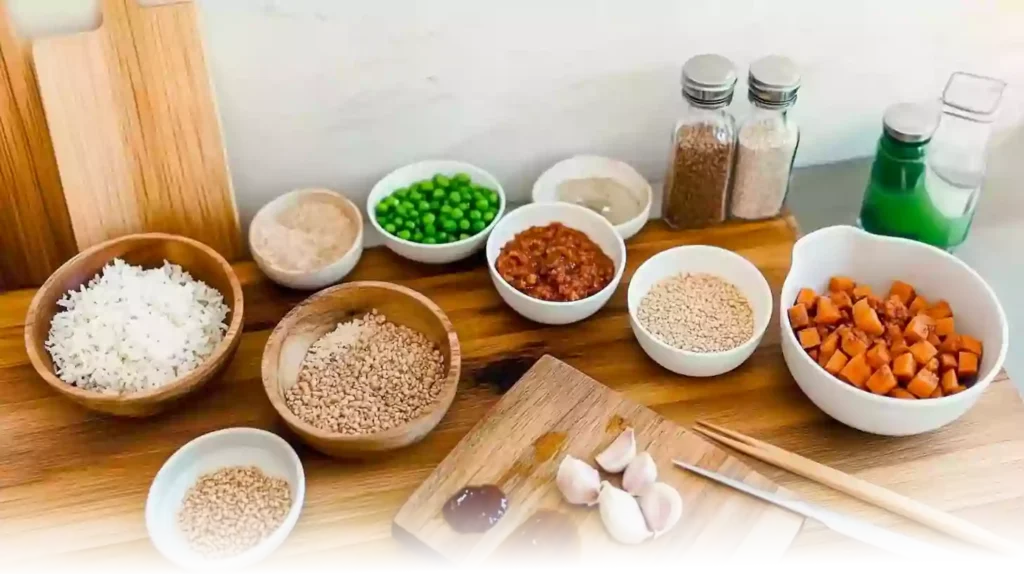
148 250
320 314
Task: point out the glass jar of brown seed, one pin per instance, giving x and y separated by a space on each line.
703 145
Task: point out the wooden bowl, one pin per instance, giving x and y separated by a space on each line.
321 313
148 250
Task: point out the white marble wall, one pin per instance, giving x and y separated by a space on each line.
338 92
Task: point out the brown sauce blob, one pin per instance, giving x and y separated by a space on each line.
475 508
548 535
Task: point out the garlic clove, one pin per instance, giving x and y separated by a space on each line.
641 473
661 506
621 515
578 482
620 453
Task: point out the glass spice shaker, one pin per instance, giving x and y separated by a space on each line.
767 141
703 145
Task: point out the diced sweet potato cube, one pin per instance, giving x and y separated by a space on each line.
932 365
841 299
836 362
944 327
840 283
798 318
923 351
853 345
950 343
813 353
894 310
904 291
899 346
866 319
923 384
940 310
856 372
937 393
878 356
904 367
934 339
830 343
809 338
901 393
843 330
882 381
959 389
807 297
969 343
917 329
861 291
827 313
823 357
918 305
947 361
949 382
966 364
823 330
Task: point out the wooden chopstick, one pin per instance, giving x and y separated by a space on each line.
858 488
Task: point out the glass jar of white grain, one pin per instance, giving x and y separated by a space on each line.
767 141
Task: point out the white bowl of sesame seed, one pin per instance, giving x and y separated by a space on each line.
226 499
698 310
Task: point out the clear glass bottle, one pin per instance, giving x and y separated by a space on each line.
703 145
767 141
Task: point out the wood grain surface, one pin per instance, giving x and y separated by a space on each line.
555 410
35 231
73 483
135 128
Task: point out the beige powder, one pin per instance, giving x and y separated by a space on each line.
306 236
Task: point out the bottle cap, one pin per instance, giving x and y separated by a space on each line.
774 81
911 122
709 80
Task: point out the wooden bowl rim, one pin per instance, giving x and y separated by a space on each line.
159 393
272 387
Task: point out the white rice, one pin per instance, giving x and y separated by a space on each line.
133 329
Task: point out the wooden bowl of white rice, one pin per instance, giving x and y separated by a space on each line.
130 326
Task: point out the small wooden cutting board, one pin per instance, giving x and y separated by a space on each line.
556 410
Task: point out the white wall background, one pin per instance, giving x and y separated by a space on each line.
338 93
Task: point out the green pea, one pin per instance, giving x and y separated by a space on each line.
462 178
401 210
464 224
481 204
475 215
493 199
398 221
429 241
441 237
435 205
488 216
463 236
428 218
446 209
413 214
390 228
441 180
405 234
456 213
423 206
429 229
417 237
449 225
400 193
477 226
438 194
410 224
454 198
383 207
415 196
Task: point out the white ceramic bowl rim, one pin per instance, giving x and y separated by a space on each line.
290 518
620 165
497 216
274 205
766 315
619 267
882 399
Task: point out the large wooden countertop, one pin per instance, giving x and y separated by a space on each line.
73 483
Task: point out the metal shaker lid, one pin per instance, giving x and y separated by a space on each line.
911 122
774 81
709 80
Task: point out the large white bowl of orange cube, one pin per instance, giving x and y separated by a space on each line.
888 335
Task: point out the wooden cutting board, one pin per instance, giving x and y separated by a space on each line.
35 231
135 129
556 410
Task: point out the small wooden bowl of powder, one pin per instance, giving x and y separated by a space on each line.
307 239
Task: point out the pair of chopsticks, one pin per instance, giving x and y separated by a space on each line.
858 488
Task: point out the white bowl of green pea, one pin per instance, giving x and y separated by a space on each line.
436 211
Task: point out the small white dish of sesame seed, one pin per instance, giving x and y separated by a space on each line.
698 310
226 499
